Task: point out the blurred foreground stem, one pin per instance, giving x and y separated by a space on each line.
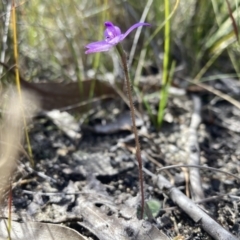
18 84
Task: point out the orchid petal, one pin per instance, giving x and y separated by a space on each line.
113 36
115 40
132 28
96 44
111 30
101 47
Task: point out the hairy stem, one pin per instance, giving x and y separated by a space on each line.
132 111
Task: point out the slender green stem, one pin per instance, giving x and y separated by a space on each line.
132 111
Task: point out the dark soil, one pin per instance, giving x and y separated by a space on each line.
66 165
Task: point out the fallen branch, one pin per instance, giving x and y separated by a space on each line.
214 229
194 151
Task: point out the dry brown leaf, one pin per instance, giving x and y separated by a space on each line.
69 96
38 231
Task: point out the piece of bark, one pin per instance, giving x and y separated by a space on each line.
102 217
111 227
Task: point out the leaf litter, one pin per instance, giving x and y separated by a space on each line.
95 176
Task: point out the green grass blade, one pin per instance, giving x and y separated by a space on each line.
166 60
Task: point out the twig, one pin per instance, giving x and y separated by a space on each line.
39 174
209 199
218 93
194 151
51 193
189 207
201 167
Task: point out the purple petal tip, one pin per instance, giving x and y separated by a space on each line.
112 35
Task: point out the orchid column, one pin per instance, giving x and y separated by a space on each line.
113 37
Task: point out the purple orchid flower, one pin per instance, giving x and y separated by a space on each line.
113 36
